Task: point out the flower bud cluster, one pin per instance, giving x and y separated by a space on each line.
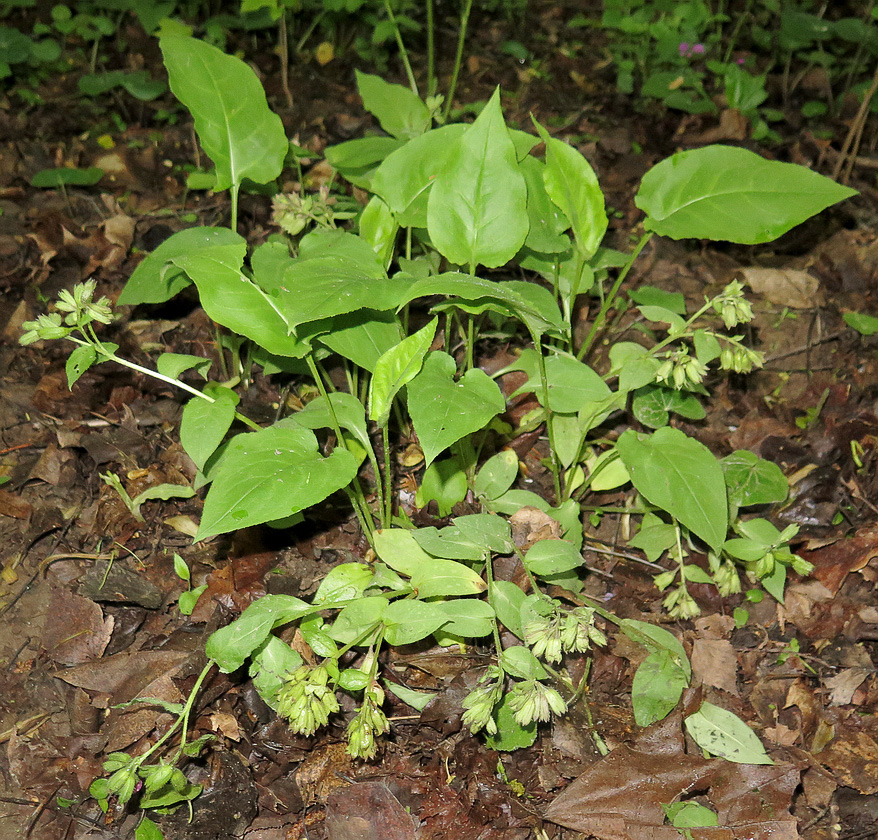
732 306
680 370
740 359
680 604
531 700
369 722
306 699
80 308
479 703
726 578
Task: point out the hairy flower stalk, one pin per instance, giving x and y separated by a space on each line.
306 699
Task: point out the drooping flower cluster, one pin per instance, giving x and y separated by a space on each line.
369 722
306 699
680 370
531 700
479 703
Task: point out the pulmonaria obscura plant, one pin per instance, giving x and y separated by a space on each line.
391 304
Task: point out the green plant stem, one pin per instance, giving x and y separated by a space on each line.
403 52
360 506
745 16
233 220
387 509
489 574
610 299
554 467
182 719
431 50
458 56
112 357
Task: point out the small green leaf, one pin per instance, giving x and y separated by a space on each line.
510 735
446 577
467 617
189 599
573 186
752 480
174 364
518 661
497 475
416 699
550 557
79 361
444 482
862 323
401 112
690 815
722 733
181 569
395 369
658 685
66 176
408 621
344 582
231 645
653 404
148 830
506 598
204 424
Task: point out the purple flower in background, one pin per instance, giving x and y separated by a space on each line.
697 49
684 48
691 49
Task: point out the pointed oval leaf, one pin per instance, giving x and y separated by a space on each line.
395 369
477 209
467 617
348 411
446 577
204 424
731 194
156 279
722 733
444 410
237 129
399 110
404 179
573 186
410 621
269 475
658 685
679 475
231 299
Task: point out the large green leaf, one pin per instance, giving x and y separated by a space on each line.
156 279
348 410
404 178
231 299
444 410
395 369
547 222
477 209
325 286
410 621
752 480
572 185
243 137
732 194
679 475
204 424
230 646
358 159
400 111
572 384
268 475
362 336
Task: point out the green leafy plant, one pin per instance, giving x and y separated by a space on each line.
457 198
